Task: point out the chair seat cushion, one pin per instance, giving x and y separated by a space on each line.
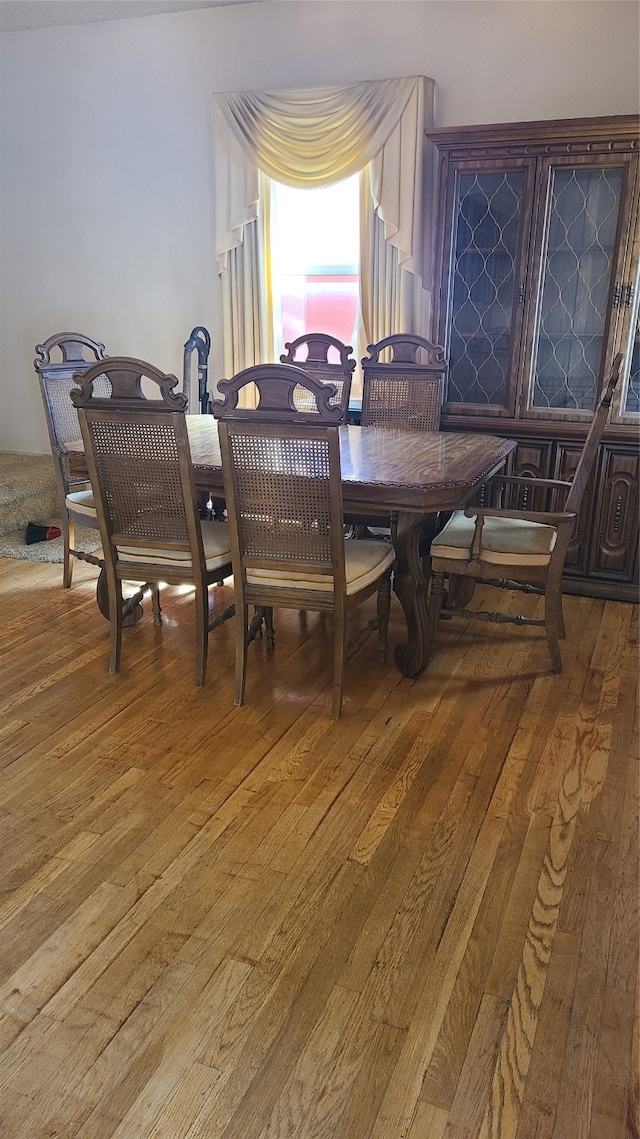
505 541
81 502
215 539
364 562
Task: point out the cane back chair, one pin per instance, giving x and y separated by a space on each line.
311 353
57 360
407 391
527 547
404 393
284 498
140 466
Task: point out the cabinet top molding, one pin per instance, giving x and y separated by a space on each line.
611 132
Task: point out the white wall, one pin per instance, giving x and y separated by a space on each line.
106 151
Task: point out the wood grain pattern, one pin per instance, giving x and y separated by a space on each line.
419 922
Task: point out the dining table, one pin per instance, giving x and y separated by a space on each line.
414 476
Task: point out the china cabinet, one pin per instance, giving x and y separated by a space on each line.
536 270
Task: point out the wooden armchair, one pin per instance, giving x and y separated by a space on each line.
140 466
311 353
57 361
405 392
284 500
526 547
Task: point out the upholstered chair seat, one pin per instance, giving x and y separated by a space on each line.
82 502
364 563
505 541
215 541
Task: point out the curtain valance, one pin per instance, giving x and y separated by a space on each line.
314 137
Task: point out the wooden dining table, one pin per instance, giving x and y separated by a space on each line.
414 475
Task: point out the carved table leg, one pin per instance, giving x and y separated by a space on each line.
131 609
410 587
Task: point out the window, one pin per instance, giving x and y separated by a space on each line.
314 248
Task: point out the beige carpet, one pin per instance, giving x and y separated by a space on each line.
28 494
14 546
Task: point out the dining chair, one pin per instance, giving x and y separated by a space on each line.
283 489
57 361
139 461
311 353
527 548
405 392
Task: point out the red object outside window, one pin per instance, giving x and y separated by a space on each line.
320 302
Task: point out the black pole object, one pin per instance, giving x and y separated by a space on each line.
200 341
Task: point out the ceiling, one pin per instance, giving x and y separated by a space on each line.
18 15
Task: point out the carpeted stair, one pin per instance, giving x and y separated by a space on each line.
28 494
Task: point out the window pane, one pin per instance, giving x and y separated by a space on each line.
314 261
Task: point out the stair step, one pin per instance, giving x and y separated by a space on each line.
27 491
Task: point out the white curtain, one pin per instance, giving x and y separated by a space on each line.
312 138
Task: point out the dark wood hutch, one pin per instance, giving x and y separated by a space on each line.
536 289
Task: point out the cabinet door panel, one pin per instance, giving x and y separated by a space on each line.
613 549
532 458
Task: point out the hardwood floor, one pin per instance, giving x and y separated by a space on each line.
418 922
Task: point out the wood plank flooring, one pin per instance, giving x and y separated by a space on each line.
419 922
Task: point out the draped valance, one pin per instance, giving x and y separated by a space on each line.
315 137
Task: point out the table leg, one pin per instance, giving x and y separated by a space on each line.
131 609
410 587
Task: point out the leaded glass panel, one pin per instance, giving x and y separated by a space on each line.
577 265
489 224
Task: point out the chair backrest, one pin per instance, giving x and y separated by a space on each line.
594 435
57 361
284 498
405 392
139 459
125 377
311 353
276 385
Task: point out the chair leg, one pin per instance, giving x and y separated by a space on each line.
268 627
339 653
155 603
242 638
202 632
554 624
435 605
115 622
562 632
384 606
68 535
460 590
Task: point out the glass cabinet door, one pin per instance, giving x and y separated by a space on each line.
491 217
580 261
